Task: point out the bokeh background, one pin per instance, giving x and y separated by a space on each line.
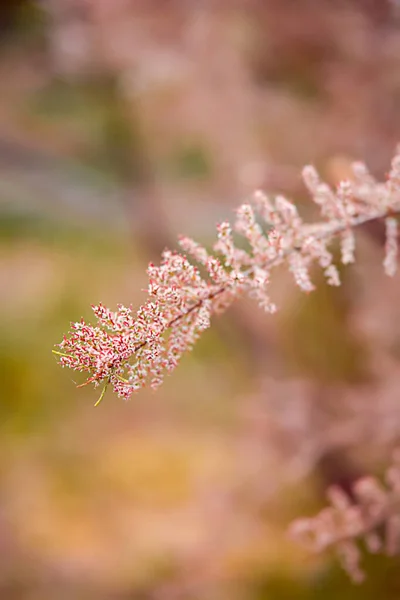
122 124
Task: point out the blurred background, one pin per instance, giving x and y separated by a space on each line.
122 124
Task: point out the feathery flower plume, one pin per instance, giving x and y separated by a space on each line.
128 351
372 516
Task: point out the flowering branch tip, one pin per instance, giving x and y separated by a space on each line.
130 351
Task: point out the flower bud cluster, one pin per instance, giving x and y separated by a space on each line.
128 351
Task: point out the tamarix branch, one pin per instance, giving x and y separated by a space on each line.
128 351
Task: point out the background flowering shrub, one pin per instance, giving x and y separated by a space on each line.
123 122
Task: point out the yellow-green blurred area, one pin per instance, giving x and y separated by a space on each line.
124 123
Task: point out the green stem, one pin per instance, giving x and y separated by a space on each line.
102 394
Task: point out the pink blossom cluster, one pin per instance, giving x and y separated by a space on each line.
129 351
371 515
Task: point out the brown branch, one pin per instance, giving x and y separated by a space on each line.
329 233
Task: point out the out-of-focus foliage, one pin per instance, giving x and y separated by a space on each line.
122 124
